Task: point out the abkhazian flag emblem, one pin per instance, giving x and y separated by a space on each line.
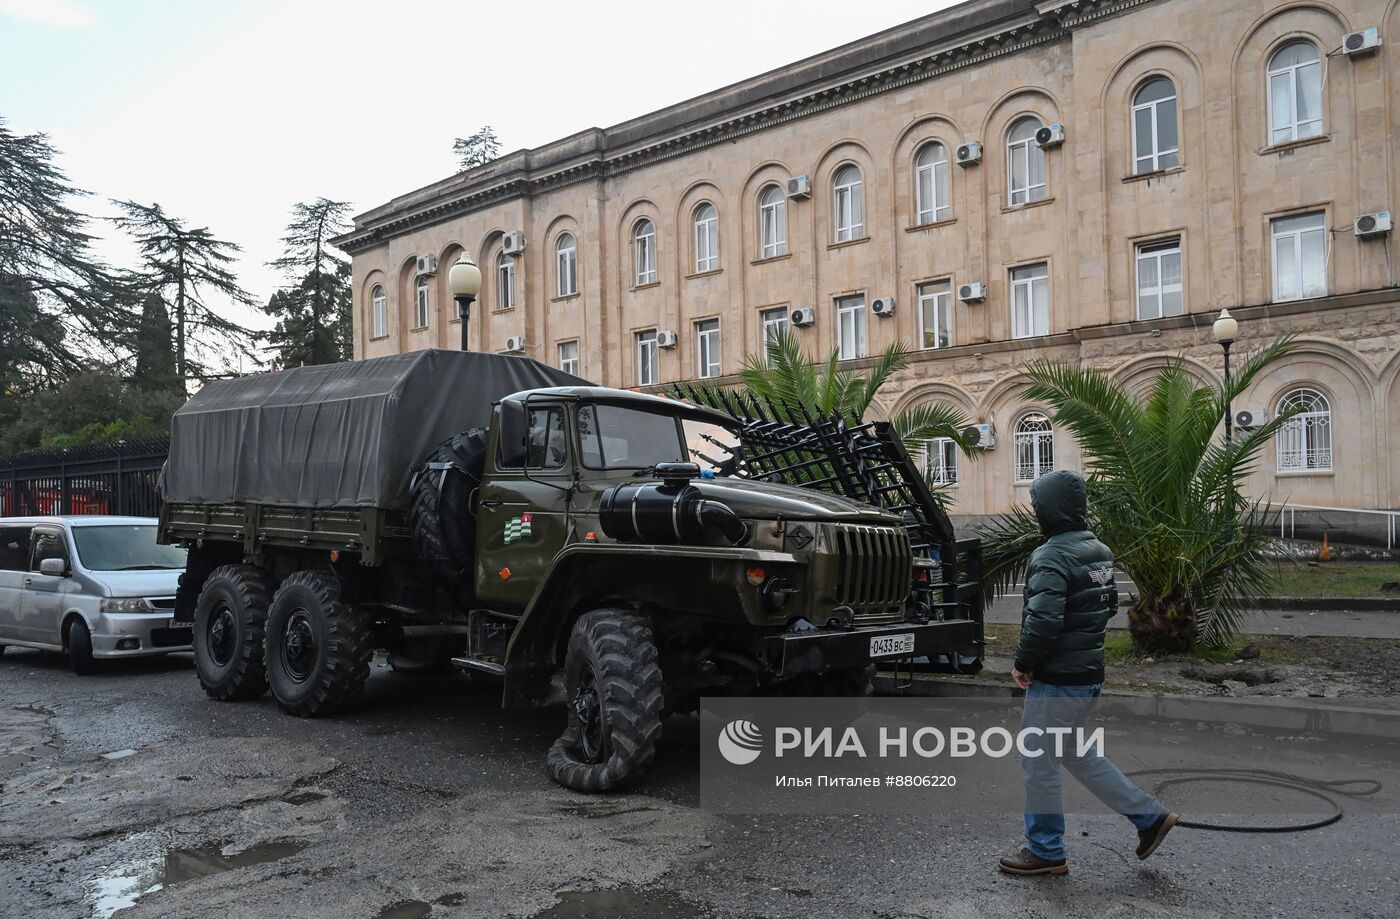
518 527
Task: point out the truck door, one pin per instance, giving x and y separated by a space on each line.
522 507
41 609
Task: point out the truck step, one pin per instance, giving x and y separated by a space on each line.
489 665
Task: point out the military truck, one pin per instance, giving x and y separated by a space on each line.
619 553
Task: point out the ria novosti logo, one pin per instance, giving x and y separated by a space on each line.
740 742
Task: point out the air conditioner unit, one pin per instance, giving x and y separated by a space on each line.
1370 225
1246 418
1366 41
975 292
804 316
983 436
882 306
427 264
513 243
969 154
666 338
515 344
1052 135
799 187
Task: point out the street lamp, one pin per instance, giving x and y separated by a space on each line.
1226 329
464 280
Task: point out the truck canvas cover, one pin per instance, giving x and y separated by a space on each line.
336 435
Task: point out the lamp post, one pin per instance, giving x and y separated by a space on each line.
464 280
1225 330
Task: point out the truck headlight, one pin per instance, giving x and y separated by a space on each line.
124 605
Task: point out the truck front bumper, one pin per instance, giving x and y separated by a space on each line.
818 650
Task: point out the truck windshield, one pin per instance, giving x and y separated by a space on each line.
612 437
125 548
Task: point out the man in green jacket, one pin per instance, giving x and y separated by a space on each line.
1069 597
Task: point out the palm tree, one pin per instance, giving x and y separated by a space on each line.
1162 495
786 378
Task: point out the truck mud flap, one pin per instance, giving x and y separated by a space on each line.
816 650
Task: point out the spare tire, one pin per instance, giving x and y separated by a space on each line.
440 513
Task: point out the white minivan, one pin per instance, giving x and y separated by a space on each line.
95 587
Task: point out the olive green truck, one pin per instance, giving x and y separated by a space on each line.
618 553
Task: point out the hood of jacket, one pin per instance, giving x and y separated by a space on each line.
1060 502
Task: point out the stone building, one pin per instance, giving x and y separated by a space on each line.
1198 155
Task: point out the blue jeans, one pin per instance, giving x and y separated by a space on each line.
1047 706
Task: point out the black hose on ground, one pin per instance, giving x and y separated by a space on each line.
1317 788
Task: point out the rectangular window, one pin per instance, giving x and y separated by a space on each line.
420 305
935 315
1300 256
646 358
1159 279
772 322
850 327
568 357
707 348
1030 301
546 443
941 461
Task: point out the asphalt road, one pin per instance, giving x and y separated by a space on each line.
431 801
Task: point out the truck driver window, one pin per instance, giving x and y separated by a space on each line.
621 438
546 442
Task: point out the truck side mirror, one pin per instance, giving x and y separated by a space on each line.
54 567
513 430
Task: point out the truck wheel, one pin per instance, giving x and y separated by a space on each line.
229 621
80 648
318 648
613 685
440 517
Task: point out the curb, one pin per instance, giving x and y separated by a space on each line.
1327 604
1376 724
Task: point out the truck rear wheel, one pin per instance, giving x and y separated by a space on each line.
229 623
613 685
318 648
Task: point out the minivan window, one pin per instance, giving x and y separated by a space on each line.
129 547
48 544
14 548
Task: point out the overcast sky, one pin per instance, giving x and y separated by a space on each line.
228 112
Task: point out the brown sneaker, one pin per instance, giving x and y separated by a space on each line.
1027 862
1150 838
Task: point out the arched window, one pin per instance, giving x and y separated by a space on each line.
772 222
1305 440
420 303
566 265
378 312
1034 447
505 281
1025 163
706 220
1154 127
644 251
1295 93
931 184
848 203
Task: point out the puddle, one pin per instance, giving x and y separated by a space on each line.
25 757
123 886
622 903
405 909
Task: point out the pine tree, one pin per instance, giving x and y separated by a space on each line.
482 147
311 313
56 298
154 345
185 266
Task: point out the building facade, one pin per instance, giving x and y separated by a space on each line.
1086 180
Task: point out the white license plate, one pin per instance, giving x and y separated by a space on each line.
890 645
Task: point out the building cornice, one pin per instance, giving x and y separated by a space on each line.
588 156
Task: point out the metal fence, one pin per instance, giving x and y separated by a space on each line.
120 478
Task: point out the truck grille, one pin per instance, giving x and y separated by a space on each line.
873 569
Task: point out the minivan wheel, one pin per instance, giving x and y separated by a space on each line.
318 648
80 648
613 690
229 621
